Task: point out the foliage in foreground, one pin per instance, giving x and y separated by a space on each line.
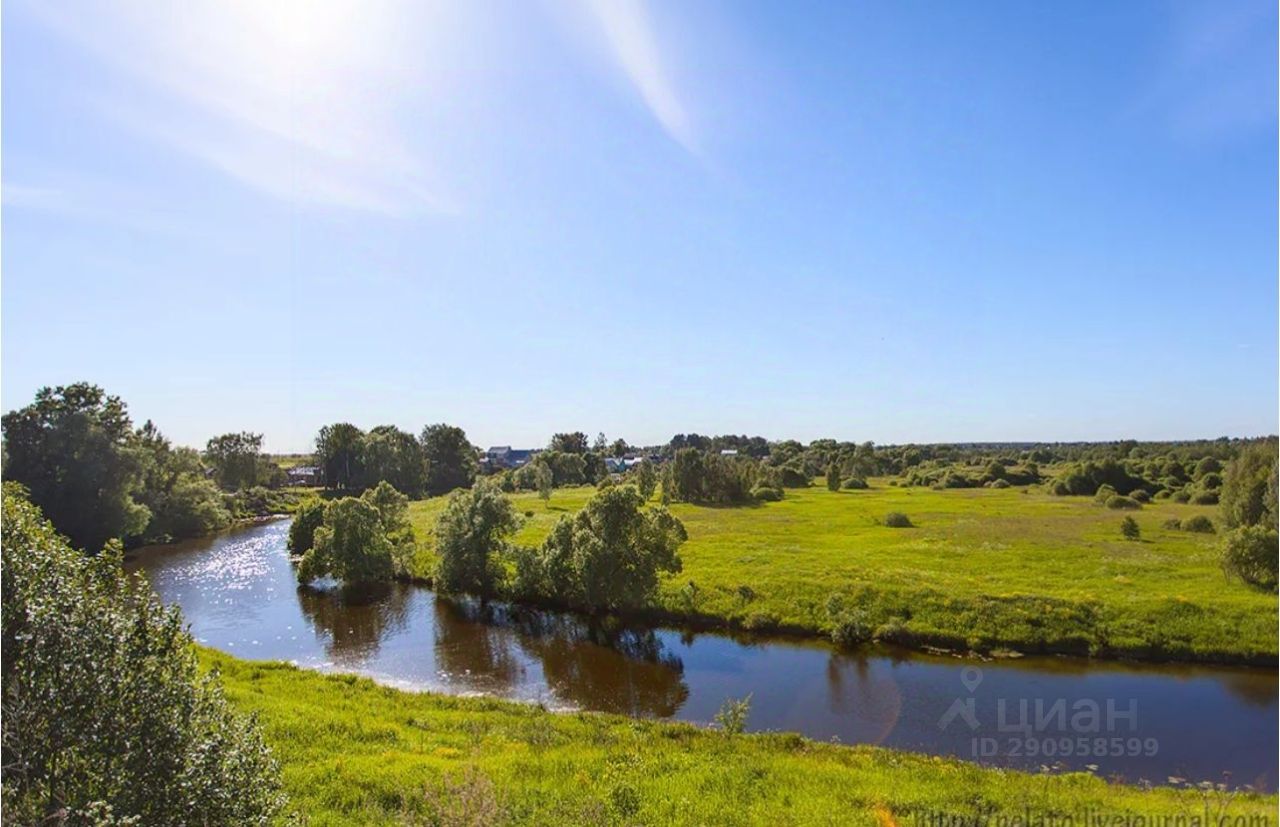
354 752
106 716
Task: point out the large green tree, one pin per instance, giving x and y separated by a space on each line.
75 451
107 717
451 459
569 443
396 457
470 533
236 460
351 546
608 556
1248 494
339 451
183 502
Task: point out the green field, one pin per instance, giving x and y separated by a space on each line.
983 568
355 752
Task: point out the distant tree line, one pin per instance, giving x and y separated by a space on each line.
96 477
436 462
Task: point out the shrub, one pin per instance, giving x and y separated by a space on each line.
767 493
1129 528
1001 483
1204 498
1104 493
859 484
896 519
1199 524
1119 503
1060 489
833 477
1162 495
1251 553
792 475
1173 524
732 717
1183 496
105 706
850 629
893 631
1141 495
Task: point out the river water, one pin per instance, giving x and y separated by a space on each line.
1136 721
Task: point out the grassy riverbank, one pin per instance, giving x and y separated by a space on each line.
982 568
356 752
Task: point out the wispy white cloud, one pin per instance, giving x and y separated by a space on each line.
89 201
294 98
629 34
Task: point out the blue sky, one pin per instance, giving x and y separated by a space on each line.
886 221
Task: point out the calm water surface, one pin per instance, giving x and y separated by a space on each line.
239 595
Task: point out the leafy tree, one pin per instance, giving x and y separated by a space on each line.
601 444
107 717
394 456
833 477
574 443
646 479
687 474
75 451
544 479
451 459
302 531
393 511
1248 494
1251 553
470 533
174 489
566 468
1130 529
339 451
619 448
608 556
351 546
236 460
593 467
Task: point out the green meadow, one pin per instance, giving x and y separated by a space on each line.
984 569
352 751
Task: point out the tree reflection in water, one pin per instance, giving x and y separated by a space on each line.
588 664
473 650
867 696
353 620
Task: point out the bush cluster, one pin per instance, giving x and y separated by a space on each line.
107 718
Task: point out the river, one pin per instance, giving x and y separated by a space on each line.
1134 721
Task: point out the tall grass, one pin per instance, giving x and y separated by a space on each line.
354 752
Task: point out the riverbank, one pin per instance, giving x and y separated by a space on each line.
354 751
992 571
